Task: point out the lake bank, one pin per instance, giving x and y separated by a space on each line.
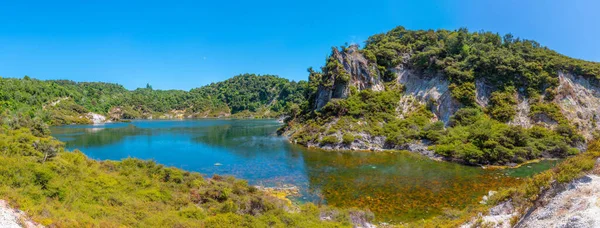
396 186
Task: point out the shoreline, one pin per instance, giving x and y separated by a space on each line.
420 151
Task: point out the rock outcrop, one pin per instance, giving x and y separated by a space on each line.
96 118
362 75
14 218
577 205
574 204
577 97
421 89
579 101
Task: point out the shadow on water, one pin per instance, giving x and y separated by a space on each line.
396 186
96 136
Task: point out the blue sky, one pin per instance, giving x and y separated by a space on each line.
186 44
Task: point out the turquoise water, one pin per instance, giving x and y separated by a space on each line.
396 186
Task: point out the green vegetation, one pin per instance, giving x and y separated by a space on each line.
66 189
464 56
524 195
366 111
474 138
509 66
64 102
502 106
347 139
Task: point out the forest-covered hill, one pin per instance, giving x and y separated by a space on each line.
64 102
475 97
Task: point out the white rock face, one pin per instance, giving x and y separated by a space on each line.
522 116
578 206
498 217
363 75
483 92
8 218
96 118
579 101
421 89
12 218
577 97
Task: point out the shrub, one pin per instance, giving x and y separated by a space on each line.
347 139
330 139
502 105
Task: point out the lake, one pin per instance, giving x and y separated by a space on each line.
396 186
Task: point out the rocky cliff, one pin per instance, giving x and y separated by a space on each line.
350 69
577 97
512 100
579 100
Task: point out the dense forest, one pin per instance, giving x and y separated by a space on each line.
63 102
475 134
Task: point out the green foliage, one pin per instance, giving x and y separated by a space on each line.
526 194
66 111
330 139
539 111
66 189
67 102
334 71
502 105
464 56
347 139
251 92
474 138
466 60
379 117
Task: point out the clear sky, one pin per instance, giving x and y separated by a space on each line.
186 44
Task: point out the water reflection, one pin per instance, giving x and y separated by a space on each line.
395 186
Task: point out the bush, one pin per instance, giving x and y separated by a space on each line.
347 139
477 139
330 139
502 105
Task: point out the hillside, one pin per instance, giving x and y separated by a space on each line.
64 102
476 98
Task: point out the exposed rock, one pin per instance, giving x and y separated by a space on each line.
426 89
96 118
483 92
522 116
54 103
359 219
579 100
363 75
420 147
487 197
173 114
14 218
115 113
576 96
575 205
499 216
